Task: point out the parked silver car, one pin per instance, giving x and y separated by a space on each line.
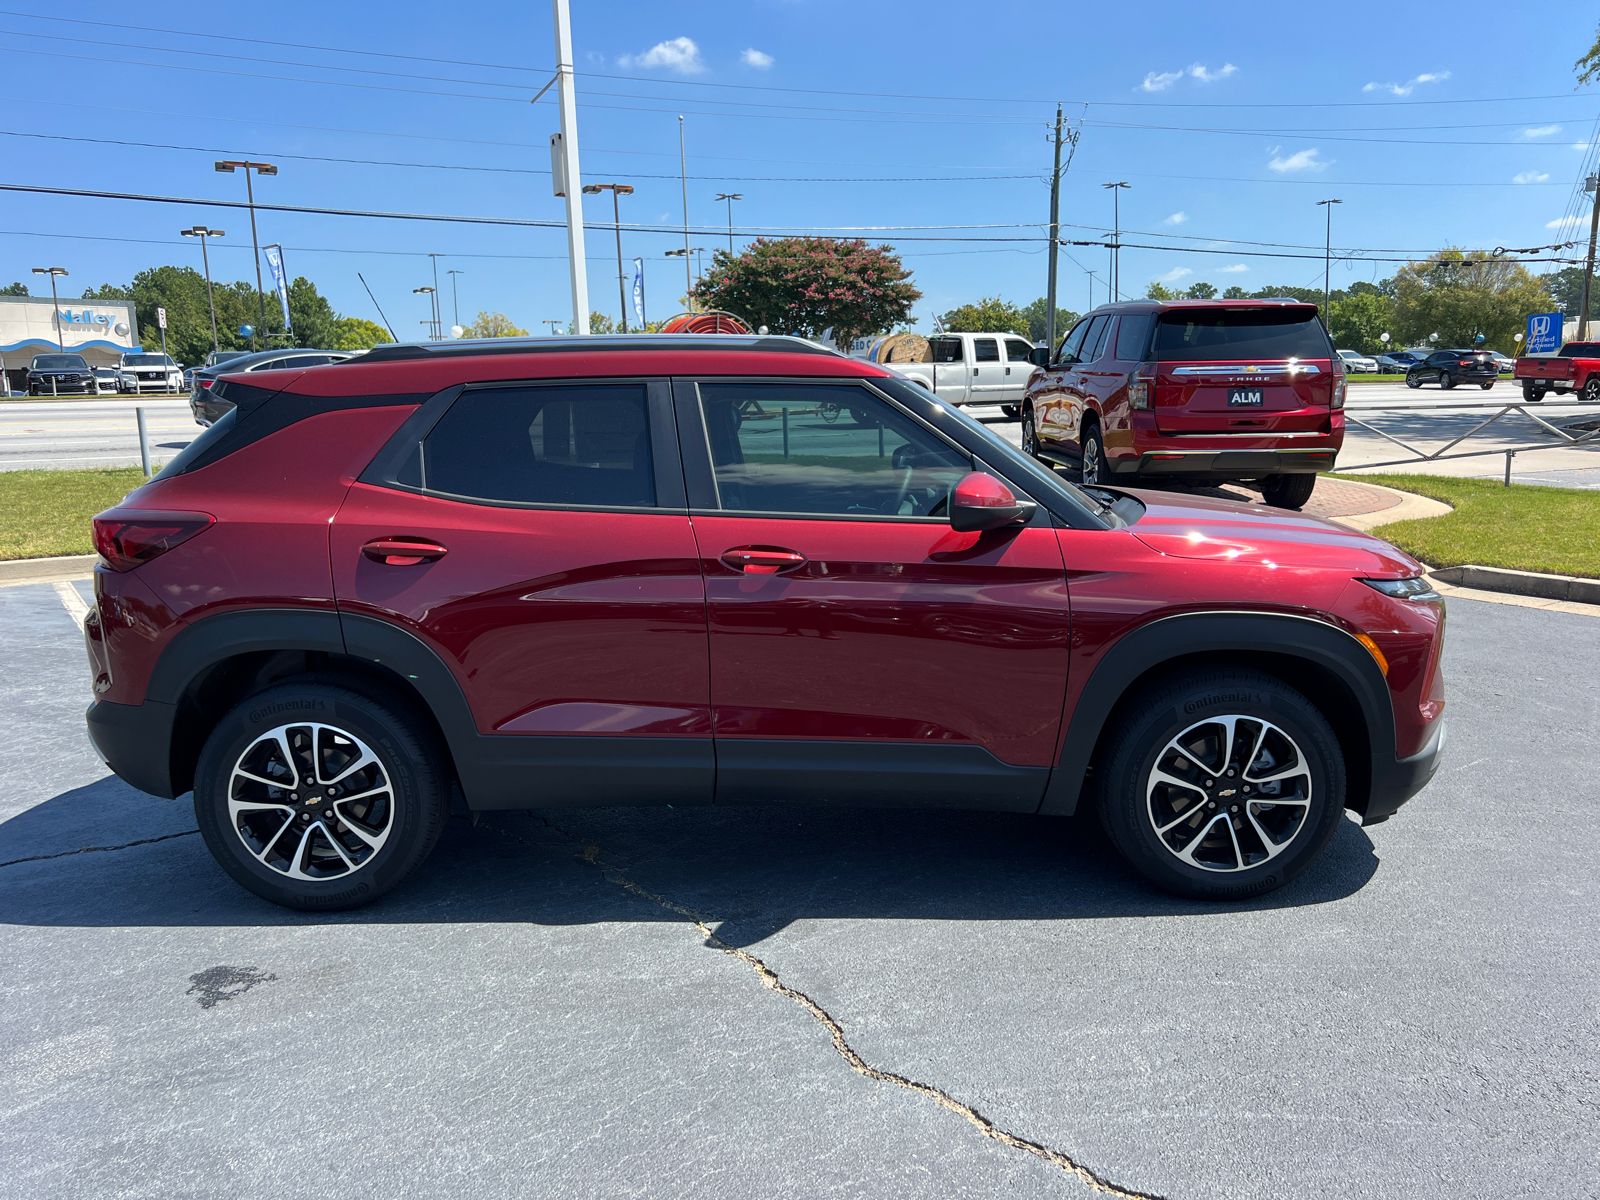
1358 364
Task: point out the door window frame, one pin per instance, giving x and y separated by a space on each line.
665 462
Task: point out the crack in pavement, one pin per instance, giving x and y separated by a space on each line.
590 853
150 841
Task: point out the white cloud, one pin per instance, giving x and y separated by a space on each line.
1410 85
1301 160
1234 269
1177 218
1531 177
758 59
1580 146
1159 81
1571 221
1542 131
678 54
1176 274
1200 72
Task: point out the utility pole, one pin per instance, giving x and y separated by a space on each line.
617 191
455 297
201 232
1116 236
1591 184
730 197
569 152
438 300
1327 254
227 167
1055 247
683 174
433 309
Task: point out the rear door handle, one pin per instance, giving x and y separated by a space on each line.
762 560
403 551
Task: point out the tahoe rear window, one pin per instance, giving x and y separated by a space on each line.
1206 335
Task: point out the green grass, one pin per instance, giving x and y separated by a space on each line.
1380 378
1524 527
44 513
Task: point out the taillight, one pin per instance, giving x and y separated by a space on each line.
1141 385
205 384
124 539
1338 390
1465 362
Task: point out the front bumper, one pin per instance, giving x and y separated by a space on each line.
1397 780
135 741
47 387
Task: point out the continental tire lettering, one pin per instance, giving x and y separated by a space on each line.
286 706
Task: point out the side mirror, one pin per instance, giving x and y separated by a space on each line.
979 501
1039 356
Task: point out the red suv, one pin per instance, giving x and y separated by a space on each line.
648 570
1193 391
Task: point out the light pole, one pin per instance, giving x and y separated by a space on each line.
688 272
55 301
555 323
1116 236
683 175
433 309
227 166
617 191
455 297
201 232
1327 254
730 197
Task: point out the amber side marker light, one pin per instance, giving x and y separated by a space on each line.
1377 654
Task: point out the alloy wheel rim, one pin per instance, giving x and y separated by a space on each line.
310 801
1229 793
1028 446
1091 461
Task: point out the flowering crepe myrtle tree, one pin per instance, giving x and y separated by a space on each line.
804 285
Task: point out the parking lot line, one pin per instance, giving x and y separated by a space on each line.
72 601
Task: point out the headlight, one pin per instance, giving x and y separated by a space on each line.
1415 588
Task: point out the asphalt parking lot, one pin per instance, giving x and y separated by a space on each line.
541 1014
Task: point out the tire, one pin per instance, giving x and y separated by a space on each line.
1288 491
1271 841
408 783
1591 390
1011 411
1446 380
1487 386
1413 381
1532 394
1030 432
1092 460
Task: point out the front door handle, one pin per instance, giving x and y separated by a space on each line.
762 560
403 551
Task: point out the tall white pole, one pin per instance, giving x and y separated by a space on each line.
683 174
569 149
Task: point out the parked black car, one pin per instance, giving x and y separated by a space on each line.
208 407
1450 367
60 375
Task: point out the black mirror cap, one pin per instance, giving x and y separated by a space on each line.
1039 356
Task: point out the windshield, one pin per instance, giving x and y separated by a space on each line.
1220 334
60 362
146 360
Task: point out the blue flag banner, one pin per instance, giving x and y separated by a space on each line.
638 291
275 265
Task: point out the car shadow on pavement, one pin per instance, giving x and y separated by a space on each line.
748 872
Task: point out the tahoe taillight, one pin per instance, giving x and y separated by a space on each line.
124 539
1141 385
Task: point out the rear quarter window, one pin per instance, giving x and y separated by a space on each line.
1203 335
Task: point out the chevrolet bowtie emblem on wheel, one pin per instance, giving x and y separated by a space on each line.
1226 792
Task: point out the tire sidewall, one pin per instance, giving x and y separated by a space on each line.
1172 710
411 775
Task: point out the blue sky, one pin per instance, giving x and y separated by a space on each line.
1229 121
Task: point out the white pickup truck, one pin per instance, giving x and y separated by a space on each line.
975 368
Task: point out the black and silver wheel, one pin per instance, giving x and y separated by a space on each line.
1532 394
316 797
1030 434
1413 381
1288 491
1446 380
1221 784
1591 390
1092 467
1487 385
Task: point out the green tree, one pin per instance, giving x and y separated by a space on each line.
599 322
14 289
989 315
1303 294
1566 291
1356 320
1235 292
1160 291
1201 291
1036 314
311 318
1459 295
804 285
493 325
358 333
1588 67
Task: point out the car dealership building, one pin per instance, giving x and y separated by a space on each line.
100 330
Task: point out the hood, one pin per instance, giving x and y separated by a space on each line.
1201 527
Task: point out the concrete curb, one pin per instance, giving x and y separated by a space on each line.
47 570
1410 507
1522 583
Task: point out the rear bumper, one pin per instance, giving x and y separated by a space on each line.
135 741
1228 464
1397 780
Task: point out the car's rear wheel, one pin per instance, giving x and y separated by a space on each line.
317 797
1092 465
1446 380
1221 784
1288 491
1532 394
1487 385
1591 389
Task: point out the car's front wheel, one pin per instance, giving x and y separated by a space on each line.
317 797
1413 381
1221 784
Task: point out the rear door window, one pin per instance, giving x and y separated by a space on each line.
1224 334
985 350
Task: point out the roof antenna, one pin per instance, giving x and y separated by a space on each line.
377 306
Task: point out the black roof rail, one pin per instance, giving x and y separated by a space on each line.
403 351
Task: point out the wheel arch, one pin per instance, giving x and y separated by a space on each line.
1313 656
